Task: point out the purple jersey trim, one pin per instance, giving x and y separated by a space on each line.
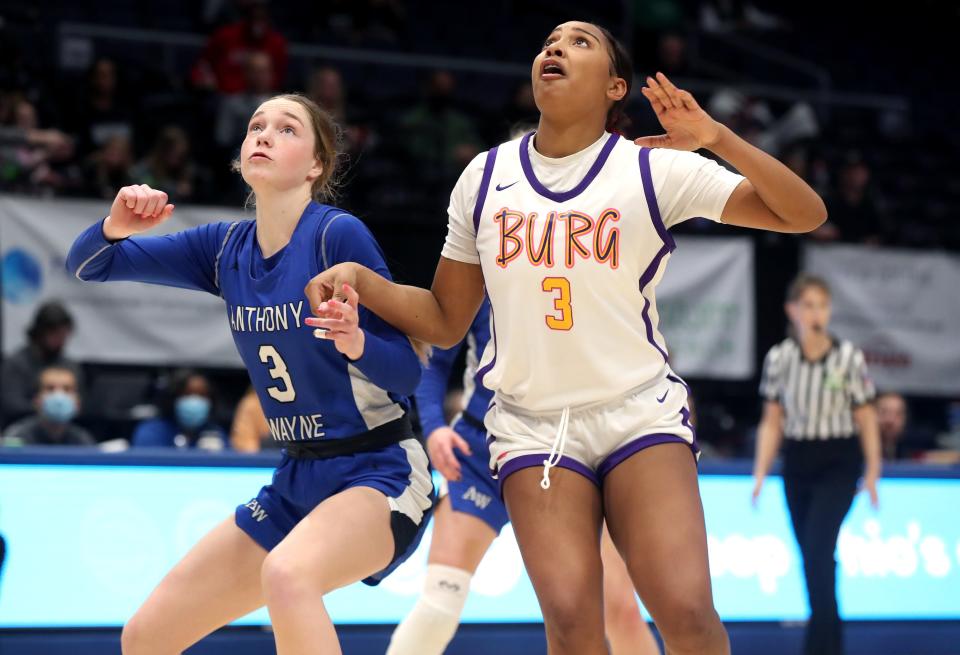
575 191
484 185
644 281
622 453
482 373
530 461
647 178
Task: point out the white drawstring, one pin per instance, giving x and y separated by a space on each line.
557 449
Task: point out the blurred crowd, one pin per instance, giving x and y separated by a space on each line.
86 125
81 119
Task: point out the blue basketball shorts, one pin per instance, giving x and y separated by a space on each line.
400 471
476 493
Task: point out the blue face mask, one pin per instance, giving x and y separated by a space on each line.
192 411
58 406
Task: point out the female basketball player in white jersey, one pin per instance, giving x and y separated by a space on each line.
567 229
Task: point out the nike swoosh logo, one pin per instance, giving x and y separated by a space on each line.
664 397
504 188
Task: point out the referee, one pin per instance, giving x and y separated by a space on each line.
817 394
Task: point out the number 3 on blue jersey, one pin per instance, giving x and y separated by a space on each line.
278 371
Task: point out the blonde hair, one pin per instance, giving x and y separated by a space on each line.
327 141
423 349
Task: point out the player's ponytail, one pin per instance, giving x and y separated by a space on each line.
423 350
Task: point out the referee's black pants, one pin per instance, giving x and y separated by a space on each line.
820 481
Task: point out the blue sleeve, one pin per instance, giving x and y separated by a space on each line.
388 359
432 390
184 259
152 433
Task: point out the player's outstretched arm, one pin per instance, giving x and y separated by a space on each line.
440 315
771 198
185 259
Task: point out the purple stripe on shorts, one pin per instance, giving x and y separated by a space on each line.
618 456
685 413
484 185
647 178
674 378
575 191
644 281
530 461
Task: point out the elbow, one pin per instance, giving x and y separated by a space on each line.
446 342
813 218
448 337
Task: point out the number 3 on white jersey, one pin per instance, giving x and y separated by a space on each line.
278 371
563 321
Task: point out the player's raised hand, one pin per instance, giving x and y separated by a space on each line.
440 445
137 208
324 287
339 321
688 126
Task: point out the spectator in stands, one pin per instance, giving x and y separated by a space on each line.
235 110
56 404
223 64
673 56
439 138
169 166
30 157
185 416
892 418
104 112
47 336
855 211
108 168
250 432
325 87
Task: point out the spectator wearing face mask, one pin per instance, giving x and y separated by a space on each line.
47 338
184 420
56 404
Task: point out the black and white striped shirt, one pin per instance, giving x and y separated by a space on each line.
818 397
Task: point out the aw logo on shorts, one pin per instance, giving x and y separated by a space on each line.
257 509
22 277
477 498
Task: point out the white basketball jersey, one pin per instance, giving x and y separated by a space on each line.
572 275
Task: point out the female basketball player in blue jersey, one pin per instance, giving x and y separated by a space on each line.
471 513
352 494
567 230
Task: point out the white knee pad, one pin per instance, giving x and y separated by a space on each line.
432 622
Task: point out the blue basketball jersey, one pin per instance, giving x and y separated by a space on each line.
308 389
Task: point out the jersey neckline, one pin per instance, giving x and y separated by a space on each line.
563 196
